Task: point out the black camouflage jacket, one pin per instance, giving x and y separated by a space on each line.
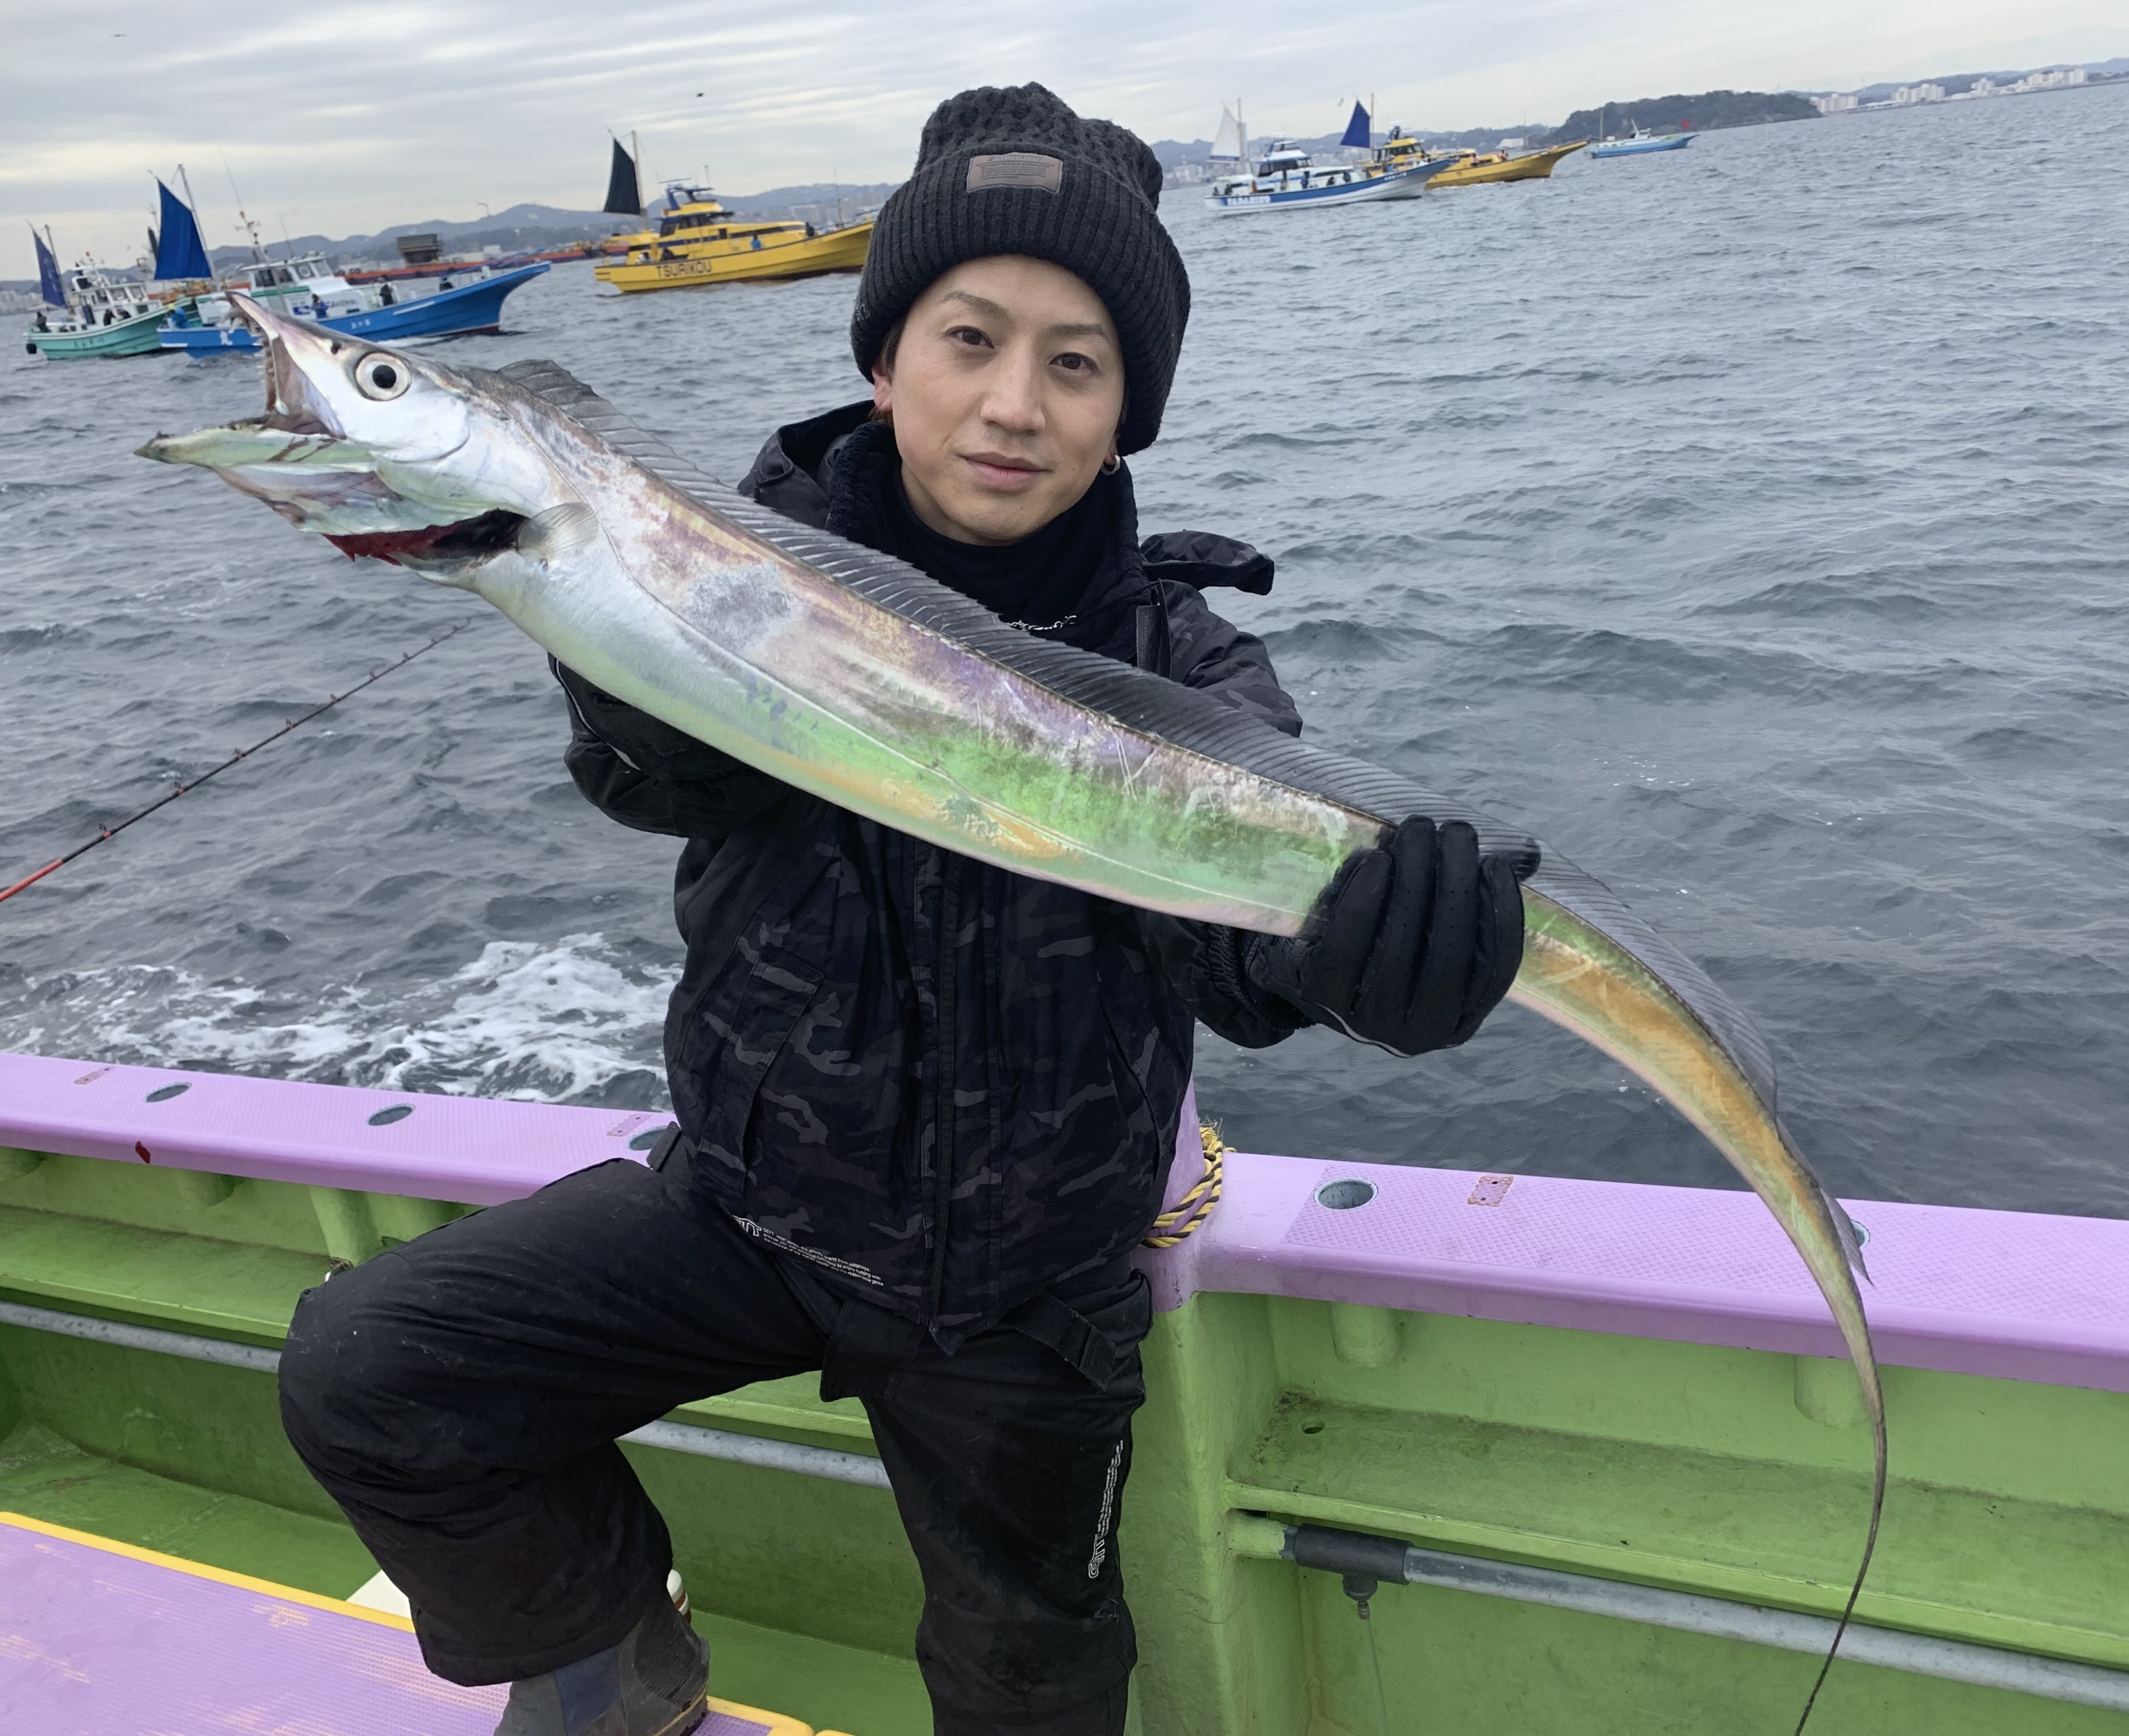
950 1086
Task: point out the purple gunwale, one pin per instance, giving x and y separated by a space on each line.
474 1151
2015 1296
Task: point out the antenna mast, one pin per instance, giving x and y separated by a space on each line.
192 199
250 228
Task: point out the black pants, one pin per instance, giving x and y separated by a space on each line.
459 1397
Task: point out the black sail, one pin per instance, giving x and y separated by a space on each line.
622 197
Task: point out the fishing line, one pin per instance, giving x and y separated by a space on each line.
108 832
1863 1572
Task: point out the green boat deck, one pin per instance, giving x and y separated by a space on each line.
1729 1472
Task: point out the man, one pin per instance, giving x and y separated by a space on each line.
925 1107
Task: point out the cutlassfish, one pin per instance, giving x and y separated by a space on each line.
856 678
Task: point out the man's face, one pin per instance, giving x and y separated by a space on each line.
1006 391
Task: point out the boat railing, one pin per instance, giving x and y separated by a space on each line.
2005 1295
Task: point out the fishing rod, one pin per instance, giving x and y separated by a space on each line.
108 832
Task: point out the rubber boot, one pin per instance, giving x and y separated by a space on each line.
652 1683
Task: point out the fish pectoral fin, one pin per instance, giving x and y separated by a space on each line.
559 532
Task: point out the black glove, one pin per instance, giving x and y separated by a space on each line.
1413 944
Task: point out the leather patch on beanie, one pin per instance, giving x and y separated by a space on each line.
1016 169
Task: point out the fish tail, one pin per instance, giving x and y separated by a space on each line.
1870 1549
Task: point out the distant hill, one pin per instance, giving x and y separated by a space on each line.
536 228
1703 113
1707 111
1175 152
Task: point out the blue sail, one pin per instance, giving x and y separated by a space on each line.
1357 130
179 253
48 284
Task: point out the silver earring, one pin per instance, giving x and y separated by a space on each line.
1112 465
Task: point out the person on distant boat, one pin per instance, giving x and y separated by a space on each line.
925 1107
385 297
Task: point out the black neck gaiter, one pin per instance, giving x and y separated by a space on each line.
1040 583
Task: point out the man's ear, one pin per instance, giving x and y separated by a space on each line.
883 391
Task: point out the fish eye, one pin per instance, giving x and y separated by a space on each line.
380 375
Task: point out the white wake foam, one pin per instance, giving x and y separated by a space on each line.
543 1021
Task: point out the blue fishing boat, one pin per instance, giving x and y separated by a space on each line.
451 312
1640 143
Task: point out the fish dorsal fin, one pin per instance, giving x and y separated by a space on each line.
1158 707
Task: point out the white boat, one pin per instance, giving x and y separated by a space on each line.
306 286
1640 142
1286 178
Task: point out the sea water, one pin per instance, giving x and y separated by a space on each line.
1747 522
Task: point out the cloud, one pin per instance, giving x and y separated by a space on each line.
344 120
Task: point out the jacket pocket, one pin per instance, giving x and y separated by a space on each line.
745 1023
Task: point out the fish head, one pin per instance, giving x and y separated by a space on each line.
383 453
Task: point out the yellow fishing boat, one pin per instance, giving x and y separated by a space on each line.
1497 166
1400 152
698 240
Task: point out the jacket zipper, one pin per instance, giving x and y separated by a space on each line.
948 984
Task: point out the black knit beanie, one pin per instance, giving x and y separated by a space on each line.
1015 171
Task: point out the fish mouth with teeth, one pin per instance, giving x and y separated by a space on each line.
300 458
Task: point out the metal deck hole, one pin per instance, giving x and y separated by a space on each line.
163 1094
391 1112
1342 1196
650 1137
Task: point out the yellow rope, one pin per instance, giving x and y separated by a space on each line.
1193 1210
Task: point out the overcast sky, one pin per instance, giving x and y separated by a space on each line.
343 116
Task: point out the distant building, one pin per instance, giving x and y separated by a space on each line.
2060 79
1186 174
419 250
1839 103
1909 94
1512 143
